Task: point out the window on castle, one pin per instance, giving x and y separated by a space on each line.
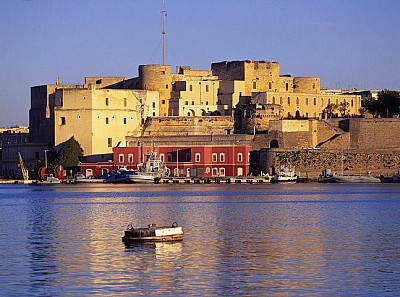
297 100
270 85
125 102
306 101
162 101
287 87
313 85
107 121
240 157
214 157
109 142
197 157
254 85
352 102
124 121
166 86
281 100
107 101
273 100
190 88
62 121
206 102
154 105
121 158
207 88
315 101
288 100
130 158
192 102
222 157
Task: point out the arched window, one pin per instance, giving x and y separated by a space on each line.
273 143
270 85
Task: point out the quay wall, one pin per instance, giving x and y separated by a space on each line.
310 163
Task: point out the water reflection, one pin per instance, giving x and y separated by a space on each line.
269 240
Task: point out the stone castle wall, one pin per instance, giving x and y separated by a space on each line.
375 134
203 125
310 163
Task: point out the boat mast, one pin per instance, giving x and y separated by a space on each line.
163 32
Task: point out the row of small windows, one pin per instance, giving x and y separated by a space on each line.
62 121
187 156
270 85
192 103
191 88
314 101
107 102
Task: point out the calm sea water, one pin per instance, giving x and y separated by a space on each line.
248 240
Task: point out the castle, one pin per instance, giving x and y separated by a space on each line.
236 97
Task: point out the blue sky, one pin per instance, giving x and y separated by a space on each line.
349 44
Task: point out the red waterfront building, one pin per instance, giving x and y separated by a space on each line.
228 155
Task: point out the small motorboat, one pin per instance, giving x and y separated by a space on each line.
153 234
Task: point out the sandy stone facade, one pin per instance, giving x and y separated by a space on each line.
300 97
98 117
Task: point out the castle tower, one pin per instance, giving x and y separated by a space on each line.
157 78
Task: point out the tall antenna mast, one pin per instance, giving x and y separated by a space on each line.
164 33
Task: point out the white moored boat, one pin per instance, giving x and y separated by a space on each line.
286 174
150 171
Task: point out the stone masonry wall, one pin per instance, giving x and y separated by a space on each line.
310 163
204 125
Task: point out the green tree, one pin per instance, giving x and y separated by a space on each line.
388 103
330 109
70 153
370 105
344 108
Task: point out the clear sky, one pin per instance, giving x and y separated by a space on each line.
347 43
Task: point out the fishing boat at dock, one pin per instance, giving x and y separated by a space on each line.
150 171
285 174
367 178
152 233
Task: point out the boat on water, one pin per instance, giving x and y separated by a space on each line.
49 179
118 176
80 178
327 176
150 171
396 177
285 174
152 233
367 178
